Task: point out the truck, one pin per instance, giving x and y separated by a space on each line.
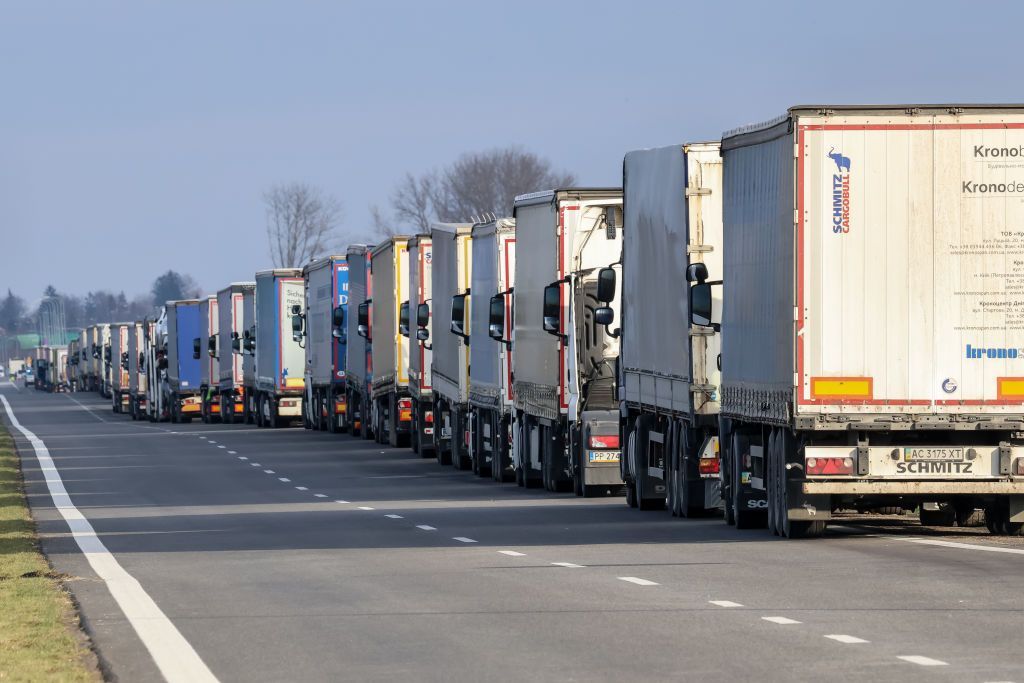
668 392
205 349
280 360
490 353
247 350
563 363
137 377
870 328
322 324
391 411
181 392
358 349
155 364
416 310
450 275
75 363
119 397
230 360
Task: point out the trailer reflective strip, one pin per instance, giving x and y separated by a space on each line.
173 655
842 387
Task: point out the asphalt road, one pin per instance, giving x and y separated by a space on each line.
294 555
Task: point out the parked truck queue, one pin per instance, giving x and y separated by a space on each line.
808 318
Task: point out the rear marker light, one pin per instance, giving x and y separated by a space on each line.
604 441
827 466
709 465
1018 467
429 417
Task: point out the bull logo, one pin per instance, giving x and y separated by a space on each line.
842 163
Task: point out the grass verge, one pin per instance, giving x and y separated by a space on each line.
40 635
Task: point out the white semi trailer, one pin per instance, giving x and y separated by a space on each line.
280 359
137 378
563 362
450 275
392 407
206 351
358 363
120 398
322 325
231 334
155 351
872 351
669 376
490 379
416 311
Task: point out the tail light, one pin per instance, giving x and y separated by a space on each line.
828 466
709 465
429 417
340 406
603 441
404 409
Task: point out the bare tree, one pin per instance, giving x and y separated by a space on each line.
381 225
475 186
301 220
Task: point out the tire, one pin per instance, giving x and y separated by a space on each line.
968 516
627 476
945 516
643 501
459 460
393 420
793 529
997 519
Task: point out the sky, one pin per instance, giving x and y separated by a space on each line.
137 137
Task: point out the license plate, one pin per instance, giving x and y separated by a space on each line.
933 454
604 456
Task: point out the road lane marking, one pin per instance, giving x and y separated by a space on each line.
236 453
211 440
343 502
725 603
850 640
426 527
319 495
954 544
301 488
569 565
362 507
394 516
637 581
269 472
85 407
512 553
221 446
463 539
202 437
285 480
783 621
923 661
256 464
174 656
242 457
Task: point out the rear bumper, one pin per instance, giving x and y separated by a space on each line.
913 488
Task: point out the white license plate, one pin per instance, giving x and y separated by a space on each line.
604 456
933 454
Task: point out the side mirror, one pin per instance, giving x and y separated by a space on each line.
403 319
236 343
296 323
363 319
553 308
124 360
422 334
606 285
423 315
195 348
296 309
496 318
604 316
459 316
338 316
696 272
700 304
142 360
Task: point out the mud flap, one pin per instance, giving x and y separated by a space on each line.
807 507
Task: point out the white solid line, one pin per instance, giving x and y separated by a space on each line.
570 565
286 480
343 502
923 661
725 603
236 453
963 546
639 582
463 539
512 553
394 516
362 507
426 527
301 488
850 640
784 621
175 658
319 495
270 472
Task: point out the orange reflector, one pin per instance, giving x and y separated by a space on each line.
339 407
215 407
842 387
404 415
1010 387
292 382
190 408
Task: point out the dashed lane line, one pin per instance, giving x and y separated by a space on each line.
319 495
174 656
221 446
463 539
782 621
362 507
235 453
301 488
394 516
242 457
725 603
256 464
568 565
922 661
269 472
284 480
849 640
343 502
426 527
638 581
512 553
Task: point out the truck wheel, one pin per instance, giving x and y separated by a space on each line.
393 420
944 515
782 446
629 465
